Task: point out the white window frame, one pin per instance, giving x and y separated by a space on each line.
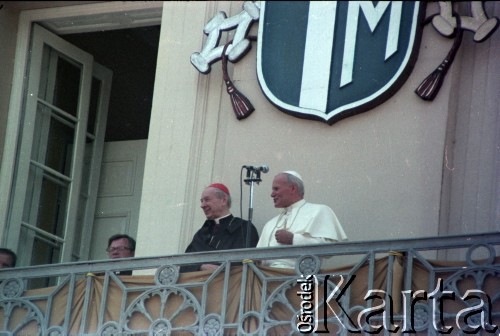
79 18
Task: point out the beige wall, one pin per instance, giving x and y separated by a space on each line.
471 185
381 171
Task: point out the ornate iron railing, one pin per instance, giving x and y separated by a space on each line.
425 286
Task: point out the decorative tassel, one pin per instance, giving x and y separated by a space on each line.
241 105
430 86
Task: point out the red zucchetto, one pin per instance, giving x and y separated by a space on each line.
220 186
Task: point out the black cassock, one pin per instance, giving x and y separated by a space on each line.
230 234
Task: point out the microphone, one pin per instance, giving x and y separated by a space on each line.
264 168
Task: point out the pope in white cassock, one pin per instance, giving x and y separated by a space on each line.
300 223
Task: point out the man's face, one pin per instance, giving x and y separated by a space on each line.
283 193
212 206
5 261
119 249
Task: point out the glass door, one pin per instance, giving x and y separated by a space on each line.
60 151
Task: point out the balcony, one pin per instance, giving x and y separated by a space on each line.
425 286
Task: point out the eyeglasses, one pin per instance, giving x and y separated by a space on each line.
118 249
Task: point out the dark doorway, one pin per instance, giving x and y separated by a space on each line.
131 54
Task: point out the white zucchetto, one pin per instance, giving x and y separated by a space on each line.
294 173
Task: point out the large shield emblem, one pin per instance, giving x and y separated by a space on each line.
327 60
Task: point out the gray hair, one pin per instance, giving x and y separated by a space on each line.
292 179
220 194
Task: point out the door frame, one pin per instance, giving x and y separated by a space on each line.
78 18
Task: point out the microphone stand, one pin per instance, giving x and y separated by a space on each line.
250 180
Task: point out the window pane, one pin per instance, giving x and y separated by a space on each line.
87 166
53 141
81 221
46 202
80 224
45 251
94 104
60 81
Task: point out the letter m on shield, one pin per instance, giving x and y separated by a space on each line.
327 60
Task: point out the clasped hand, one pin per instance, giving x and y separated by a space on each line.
284 237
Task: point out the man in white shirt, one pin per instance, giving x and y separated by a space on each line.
300 223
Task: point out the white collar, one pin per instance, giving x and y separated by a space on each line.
218 219
295 205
